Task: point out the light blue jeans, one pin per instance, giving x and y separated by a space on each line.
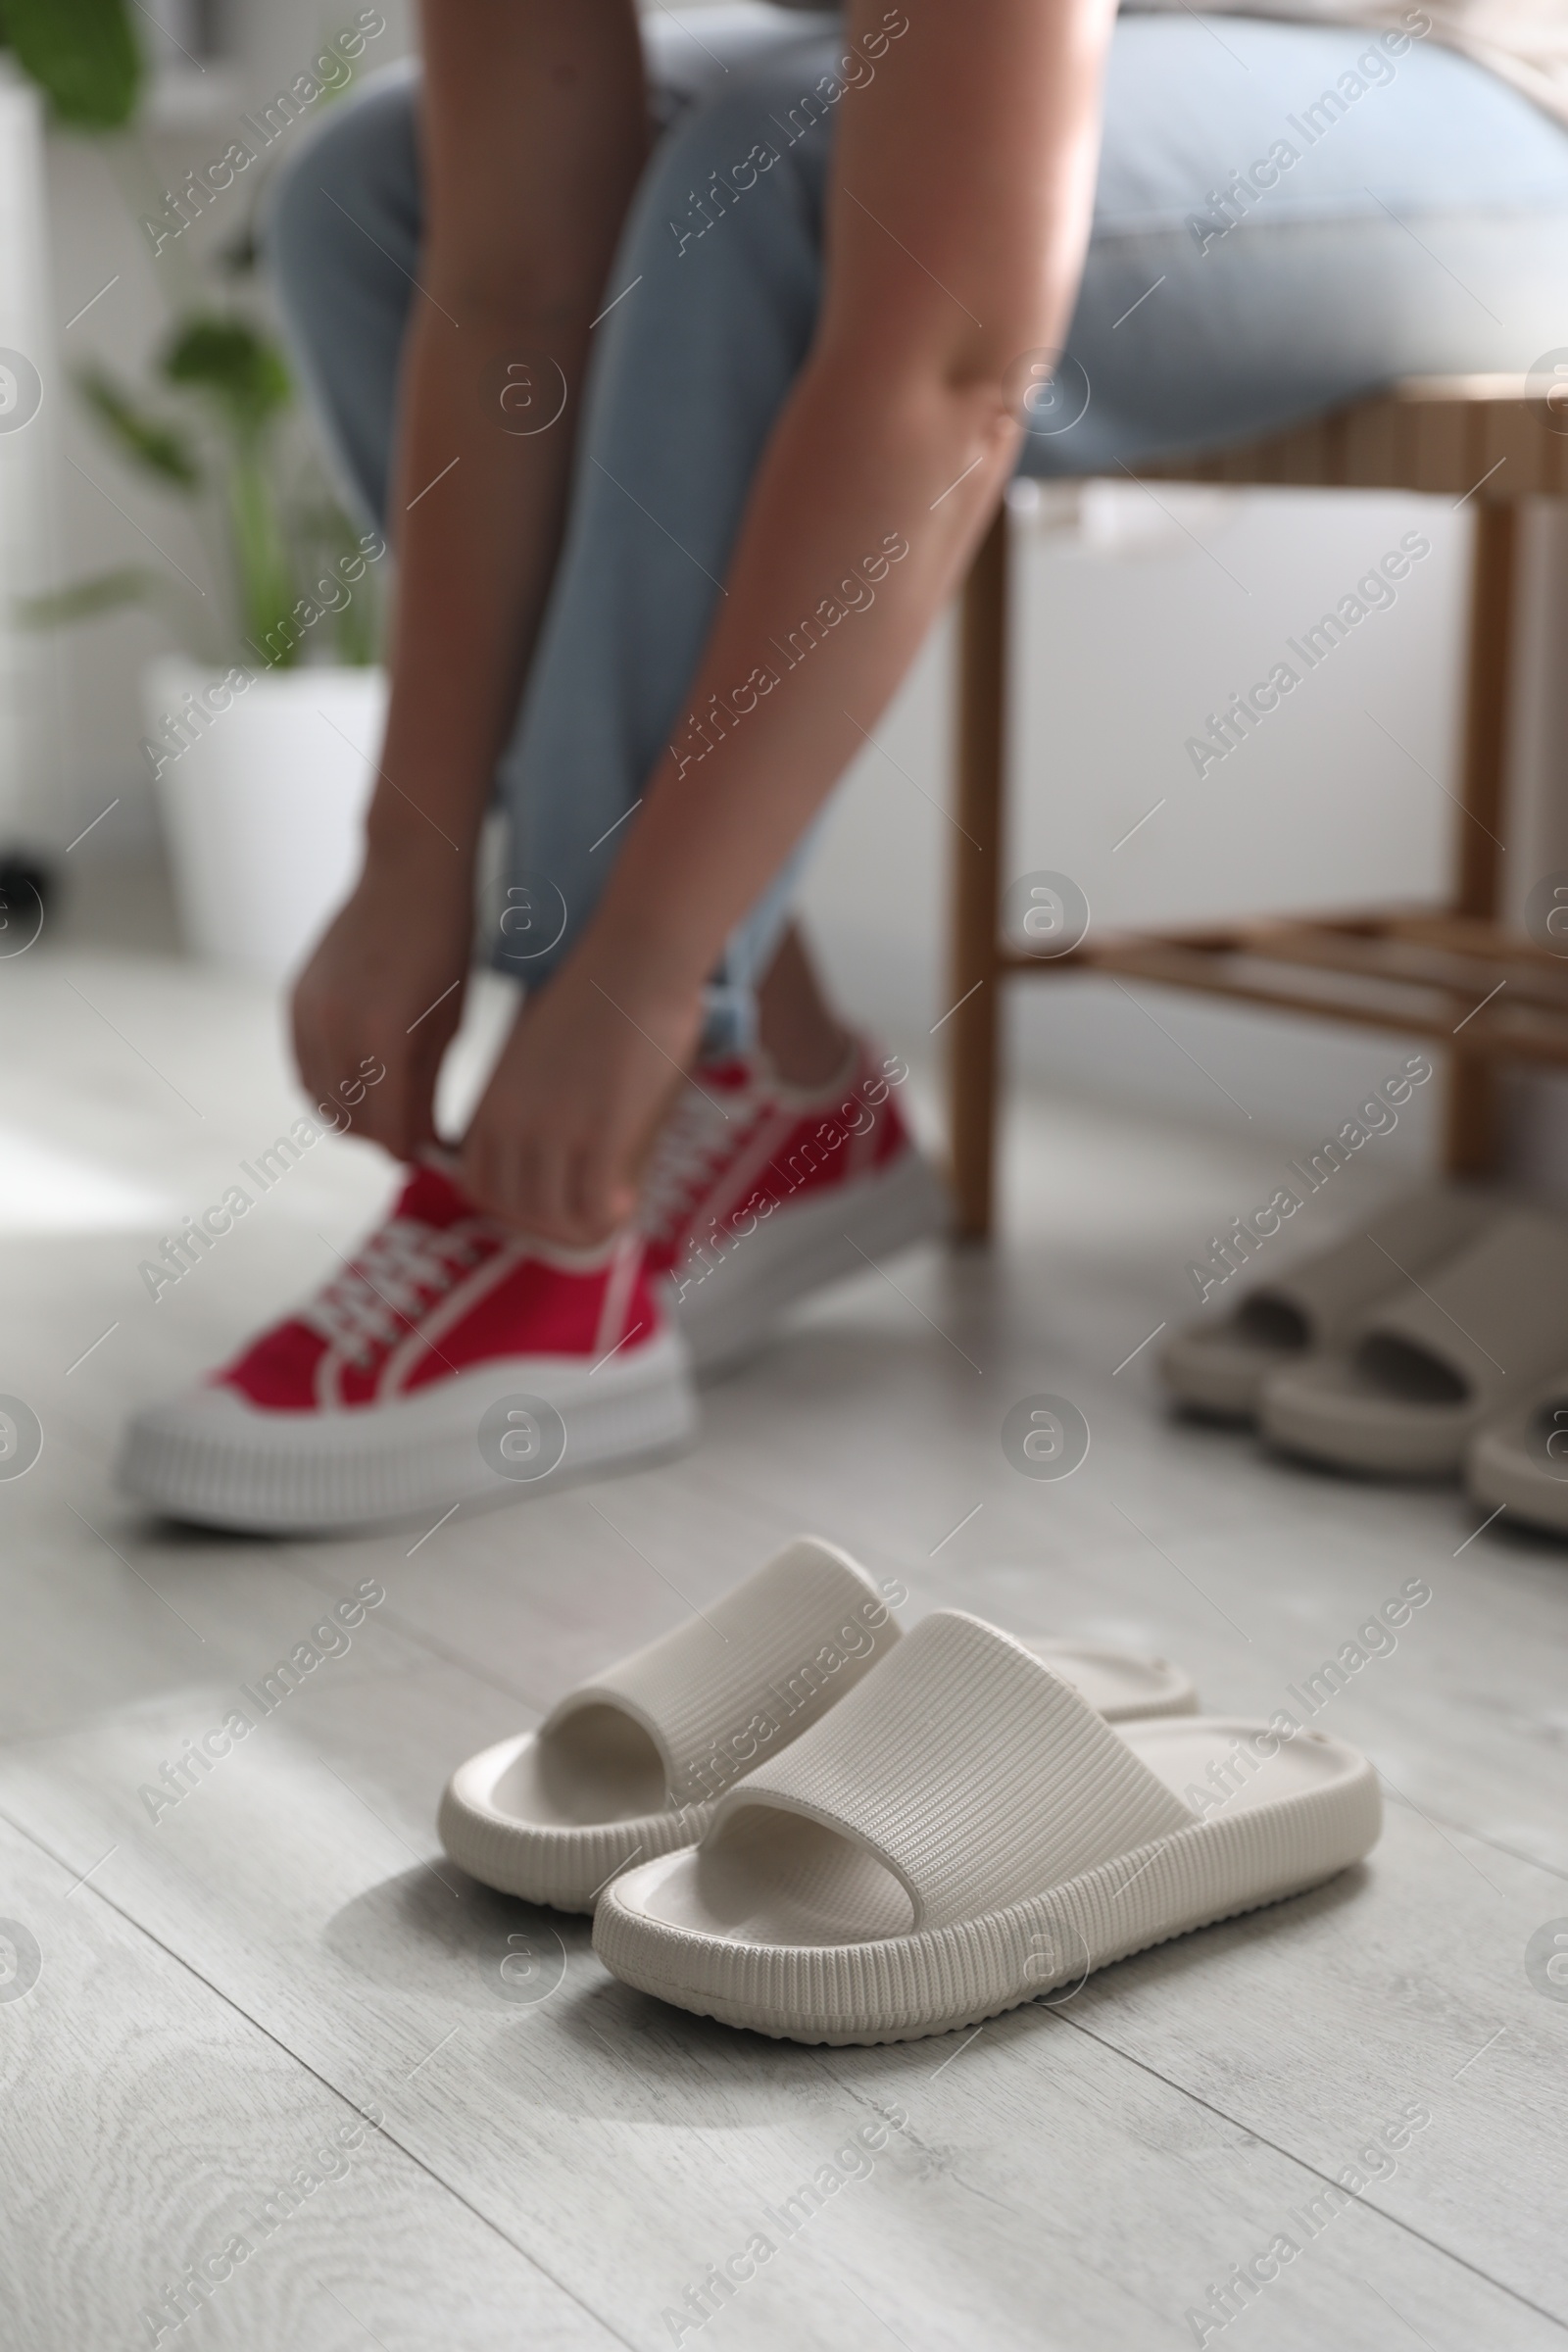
1419 226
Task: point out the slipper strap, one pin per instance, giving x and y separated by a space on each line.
1495 1314
768 1658
970 1771
1329 1290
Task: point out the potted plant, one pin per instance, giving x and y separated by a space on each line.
262 730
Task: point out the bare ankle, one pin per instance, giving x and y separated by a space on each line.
797 1028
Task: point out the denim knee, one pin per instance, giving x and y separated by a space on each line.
742 155
342 233
357 176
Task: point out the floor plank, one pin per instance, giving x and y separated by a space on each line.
149 2126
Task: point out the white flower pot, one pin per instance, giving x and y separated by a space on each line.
262 781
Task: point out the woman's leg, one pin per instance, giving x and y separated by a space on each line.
342 235
797 1028
715 298
1417 227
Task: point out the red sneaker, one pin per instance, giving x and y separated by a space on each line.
759 1192
454 1357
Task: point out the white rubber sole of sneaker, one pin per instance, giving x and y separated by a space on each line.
726 1312
211 1458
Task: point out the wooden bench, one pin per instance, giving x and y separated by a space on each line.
1423 970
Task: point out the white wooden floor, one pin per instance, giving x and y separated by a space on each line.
552 2160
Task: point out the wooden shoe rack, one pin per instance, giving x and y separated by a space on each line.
1452 973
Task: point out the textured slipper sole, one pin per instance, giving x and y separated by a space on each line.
1502 1470
899 1988
1349 1432
1217 1376
223 1465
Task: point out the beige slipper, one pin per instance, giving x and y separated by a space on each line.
1418 1375
633 1763
1219 1366
964 1832
1520 1461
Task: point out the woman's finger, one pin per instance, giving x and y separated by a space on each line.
314 1059
545 1208
383 1119
602 1197
485 1174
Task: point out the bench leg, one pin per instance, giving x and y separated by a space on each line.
1471 1138
1472 1133
972 1023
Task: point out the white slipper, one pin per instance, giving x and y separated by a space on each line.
632 1764
1420 1373
1219 1365
962 1834
1520 1462
1117 1683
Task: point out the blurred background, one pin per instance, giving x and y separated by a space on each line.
121 279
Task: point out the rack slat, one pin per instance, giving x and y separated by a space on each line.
1425 971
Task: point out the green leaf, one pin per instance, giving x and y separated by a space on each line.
86 599
261 561
236 366
112 592
326 537
149 441
83 54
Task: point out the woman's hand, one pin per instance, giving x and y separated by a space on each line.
559 1141
387 980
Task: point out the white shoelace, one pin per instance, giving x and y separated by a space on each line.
698 1137
394 1280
